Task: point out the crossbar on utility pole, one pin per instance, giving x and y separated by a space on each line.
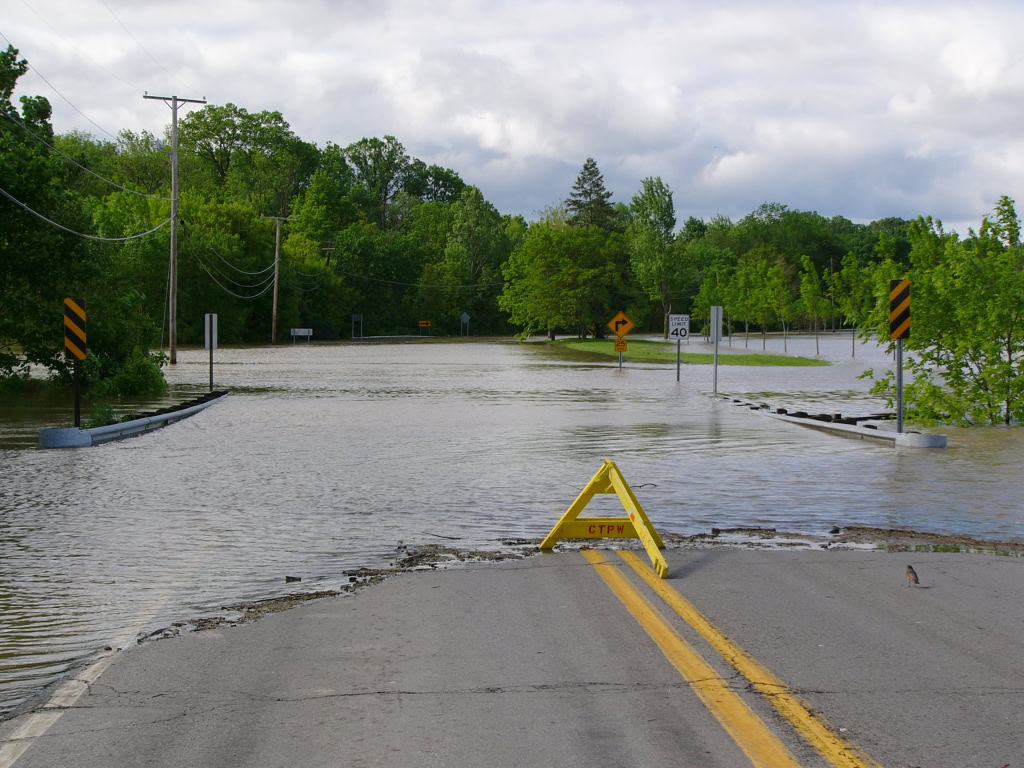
328 249
172 310
277 262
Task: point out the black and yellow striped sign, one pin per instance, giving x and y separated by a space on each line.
899 309
74 328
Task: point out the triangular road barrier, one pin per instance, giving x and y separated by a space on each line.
636 526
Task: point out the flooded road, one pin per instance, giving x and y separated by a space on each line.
326 457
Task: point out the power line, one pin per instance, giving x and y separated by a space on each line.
133 37
419 285
75 162
134 88
315 274
40 74
260 284
13 199
239 269
237 295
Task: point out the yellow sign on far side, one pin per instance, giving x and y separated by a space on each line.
620 324
620 345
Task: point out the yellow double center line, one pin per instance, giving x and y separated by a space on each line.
761 746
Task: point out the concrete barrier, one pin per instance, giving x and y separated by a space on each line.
74 437
920 440
850 426
867 432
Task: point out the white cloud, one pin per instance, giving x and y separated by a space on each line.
860 109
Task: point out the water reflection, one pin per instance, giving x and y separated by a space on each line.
326 456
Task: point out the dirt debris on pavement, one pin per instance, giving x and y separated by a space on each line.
426 557
438 556
896 540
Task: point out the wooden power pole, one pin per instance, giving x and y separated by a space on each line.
328 249
172 311
277 264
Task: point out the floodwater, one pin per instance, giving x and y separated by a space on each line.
326 457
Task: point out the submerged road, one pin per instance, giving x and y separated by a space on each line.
740 657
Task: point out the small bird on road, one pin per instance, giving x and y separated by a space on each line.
911 576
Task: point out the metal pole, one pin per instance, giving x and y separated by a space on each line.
899 386
715 389
78 396
277 261
209 332
620 361
173 310
679 347
277 264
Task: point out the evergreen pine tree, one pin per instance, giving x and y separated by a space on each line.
588 202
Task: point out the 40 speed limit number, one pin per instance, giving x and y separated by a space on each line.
678 326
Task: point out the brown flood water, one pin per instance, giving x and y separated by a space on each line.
326 457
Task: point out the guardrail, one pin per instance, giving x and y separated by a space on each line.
73 437
850 427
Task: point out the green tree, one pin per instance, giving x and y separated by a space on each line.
693 229
382 169
561 277
781 297
967 322
39 264
813 300
650 236
433 183
714 287
142 163
477 247
699 259
853 290
588 204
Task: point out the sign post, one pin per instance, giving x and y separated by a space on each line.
74 346
620 325
716 336
464 317
679 329
899 329
211 341
424 324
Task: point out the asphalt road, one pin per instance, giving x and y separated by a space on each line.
575 660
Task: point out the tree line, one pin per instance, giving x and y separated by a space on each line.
374 231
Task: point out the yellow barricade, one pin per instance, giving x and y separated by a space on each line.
636 526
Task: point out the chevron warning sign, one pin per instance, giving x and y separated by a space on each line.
74 328
899 309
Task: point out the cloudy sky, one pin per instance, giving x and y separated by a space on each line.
859 109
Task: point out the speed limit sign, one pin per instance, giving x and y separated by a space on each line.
678 326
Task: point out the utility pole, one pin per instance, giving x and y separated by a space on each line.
277 263
328 249
172 311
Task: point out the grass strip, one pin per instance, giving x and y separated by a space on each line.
661 352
